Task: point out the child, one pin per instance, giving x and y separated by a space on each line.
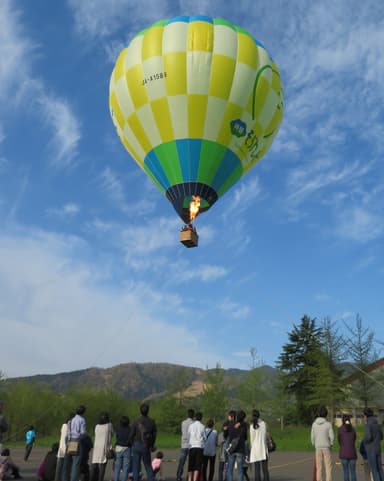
8 468
30 437
157 466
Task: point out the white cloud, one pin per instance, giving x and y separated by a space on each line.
3 164
2 134
148 238
242 197
23 185
66 211
234 309
205 273
15 49
66 130
62 302
359 224
98 18
22 88
322 297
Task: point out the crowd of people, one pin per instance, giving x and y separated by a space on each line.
78 457
322 438
199 443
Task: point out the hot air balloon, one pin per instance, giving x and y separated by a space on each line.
197 102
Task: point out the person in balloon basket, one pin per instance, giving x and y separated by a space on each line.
322 438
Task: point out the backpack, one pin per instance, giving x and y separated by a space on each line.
146 435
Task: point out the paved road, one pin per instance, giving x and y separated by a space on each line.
284 466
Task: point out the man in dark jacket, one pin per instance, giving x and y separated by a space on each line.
373 436
237 436
143 438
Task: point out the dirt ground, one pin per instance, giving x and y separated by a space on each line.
284 466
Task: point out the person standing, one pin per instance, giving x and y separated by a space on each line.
143 438
76 429
373 436
196 440
322 438
221 442
184 444
102 444
237 436
62 448
258 433
209 453
30 437
122 450
347 453
3 424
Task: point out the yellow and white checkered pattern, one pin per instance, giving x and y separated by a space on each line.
190 80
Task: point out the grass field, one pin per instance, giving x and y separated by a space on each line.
292 438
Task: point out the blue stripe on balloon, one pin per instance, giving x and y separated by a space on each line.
153 164
229 164
184 19
201 18
195 18
189 158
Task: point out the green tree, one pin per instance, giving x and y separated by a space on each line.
327 388
250 391
360 353
213 398
297 363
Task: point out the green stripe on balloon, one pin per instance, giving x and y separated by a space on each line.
211 156
169 161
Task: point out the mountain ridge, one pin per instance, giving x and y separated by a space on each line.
138 380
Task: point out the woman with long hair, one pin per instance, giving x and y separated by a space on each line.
102 444
258 433
347 452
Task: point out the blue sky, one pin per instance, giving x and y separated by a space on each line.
91 269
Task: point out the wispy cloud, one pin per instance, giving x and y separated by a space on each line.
242 197
66 211
359 224
96 18
234 309
19 82
52 286
322 297
66 130
205 273
18 198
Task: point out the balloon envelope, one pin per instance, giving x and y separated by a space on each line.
197 102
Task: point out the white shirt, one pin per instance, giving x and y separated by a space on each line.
196 435
184 433
258 438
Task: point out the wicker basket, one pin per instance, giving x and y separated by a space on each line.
189 238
